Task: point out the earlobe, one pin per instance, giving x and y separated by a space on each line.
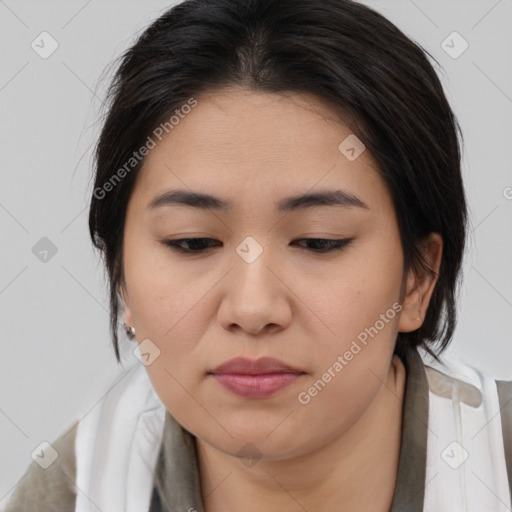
420 286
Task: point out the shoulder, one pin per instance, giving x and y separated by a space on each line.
451 378
450 368
51 489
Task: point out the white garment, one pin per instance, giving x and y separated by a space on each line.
117 444
117 447
466 468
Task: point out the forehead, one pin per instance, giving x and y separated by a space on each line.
236 141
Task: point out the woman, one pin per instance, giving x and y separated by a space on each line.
279 204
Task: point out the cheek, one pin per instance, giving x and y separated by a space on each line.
162 294
353 296
336 405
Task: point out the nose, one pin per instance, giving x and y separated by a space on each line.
256 296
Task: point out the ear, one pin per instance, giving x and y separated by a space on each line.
419 287
127 312
128 316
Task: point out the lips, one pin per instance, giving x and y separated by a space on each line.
260 366
255 379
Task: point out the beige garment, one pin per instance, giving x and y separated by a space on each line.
51 489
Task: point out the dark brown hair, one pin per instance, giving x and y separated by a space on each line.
379 81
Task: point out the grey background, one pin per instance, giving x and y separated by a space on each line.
56 360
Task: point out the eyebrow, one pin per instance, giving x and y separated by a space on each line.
288 204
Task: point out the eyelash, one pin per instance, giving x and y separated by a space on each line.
336 245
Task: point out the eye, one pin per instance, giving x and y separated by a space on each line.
321 245
197 245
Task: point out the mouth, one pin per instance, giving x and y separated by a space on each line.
255 379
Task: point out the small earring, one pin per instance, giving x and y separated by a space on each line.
130 331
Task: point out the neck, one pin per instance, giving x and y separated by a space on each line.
355 471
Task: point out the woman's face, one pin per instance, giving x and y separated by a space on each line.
255 288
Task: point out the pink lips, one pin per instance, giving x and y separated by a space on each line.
258 378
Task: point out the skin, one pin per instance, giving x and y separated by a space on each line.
340 451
